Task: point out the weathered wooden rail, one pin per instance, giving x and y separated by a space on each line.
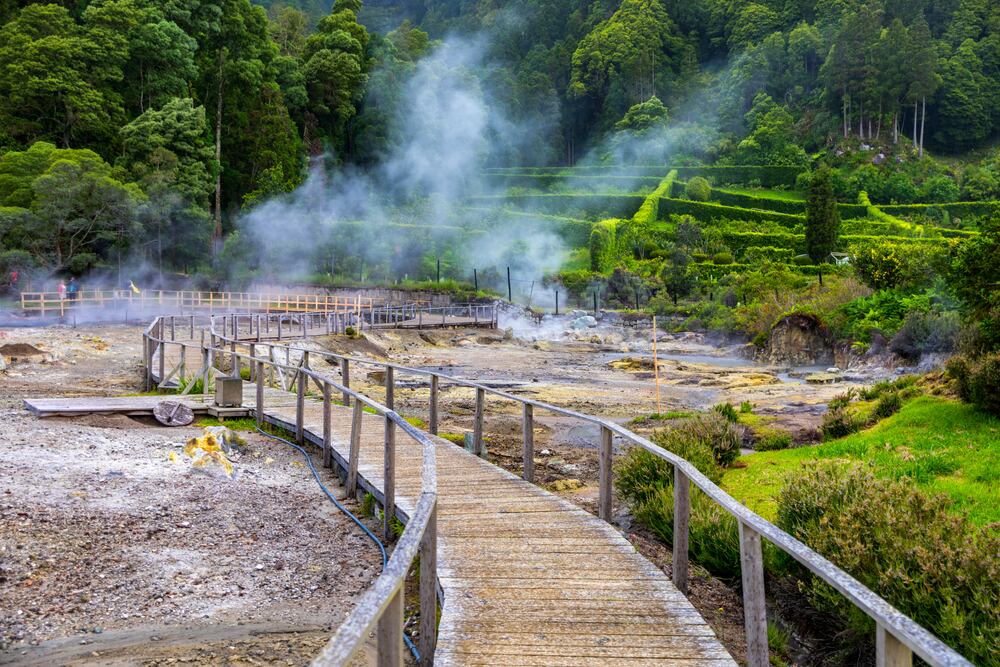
898 637
53 303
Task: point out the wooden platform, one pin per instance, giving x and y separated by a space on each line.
435 322
528 578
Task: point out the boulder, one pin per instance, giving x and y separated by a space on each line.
800 339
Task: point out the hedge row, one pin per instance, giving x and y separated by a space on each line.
962 210
711 211
766 176
652 171
575 232
650 209
591 182
740 242
582 205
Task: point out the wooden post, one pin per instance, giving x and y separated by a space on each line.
604 500
300 407
477 428
345 379
192 327
279 327
528 451
428 590
183 365
260 393
147 361
163 352
206 376
389 478
352 457
889 651
173 330
755 612
682 516
327 428
253 366
656 370
434 404
390 388
389 632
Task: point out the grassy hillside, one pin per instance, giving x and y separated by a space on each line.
942 445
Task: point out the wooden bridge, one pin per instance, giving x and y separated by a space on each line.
523 576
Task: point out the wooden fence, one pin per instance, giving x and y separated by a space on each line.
898 637
52 303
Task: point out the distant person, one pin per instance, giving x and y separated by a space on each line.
62 290
14 275
72 288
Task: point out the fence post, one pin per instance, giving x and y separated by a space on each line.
428 590
182 367
682 515
260 393
390 388
889 651
300 407
173 330
389 632
434 404
163 352
528 438
477 428
352 457
755 612
389 477
345 377
604 500
206 375
327 428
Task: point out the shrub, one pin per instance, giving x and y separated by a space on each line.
926 332
728 411
909 548
746 408
842 400
888 405
978 380
840 422
722 259
698 189
771 439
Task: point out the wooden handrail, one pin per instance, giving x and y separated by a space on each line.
897 634
52 302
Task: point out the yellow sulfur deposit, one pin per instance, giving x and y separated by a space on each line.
208 449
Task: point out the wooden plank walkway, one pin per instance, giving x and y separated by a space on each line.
433 321
527 577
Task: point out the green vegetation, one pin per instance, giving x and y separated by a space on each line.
937 444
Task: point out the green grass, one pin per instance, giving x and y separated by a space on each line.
769 193
942 445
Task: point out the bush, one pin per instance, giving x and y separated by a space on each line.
722 259
698 189
926 332
728 411
888 405
772 439
841 422
978 380
909 548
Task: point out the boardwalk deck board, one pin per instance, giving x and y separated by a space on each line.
528 578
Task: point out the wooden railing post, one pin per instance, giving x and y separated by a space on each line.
206 373
182 367
389 633
173 330
163 352
345 379
604 497
390 388
754 609
434 405
428 590
260 393
352 457
327 428
477 427
682 516
389 477
528 450
889 651
300 407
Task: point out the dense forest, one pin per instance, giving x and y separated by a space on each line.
137 127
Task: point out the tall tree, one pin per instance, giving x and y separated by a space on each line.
822 218
924 77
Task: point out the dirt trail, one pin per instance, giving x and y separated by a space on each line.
112 554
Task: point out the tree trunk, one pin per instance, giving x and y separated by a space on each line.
820 275
915 114
844 98
923 121
895 128
217 233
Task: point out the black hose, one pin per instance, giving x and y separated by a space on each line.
326 491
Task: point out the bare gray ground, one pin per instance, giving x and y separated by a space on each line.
112 554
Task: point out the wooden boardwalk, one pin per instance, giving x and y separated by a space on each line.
527 578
